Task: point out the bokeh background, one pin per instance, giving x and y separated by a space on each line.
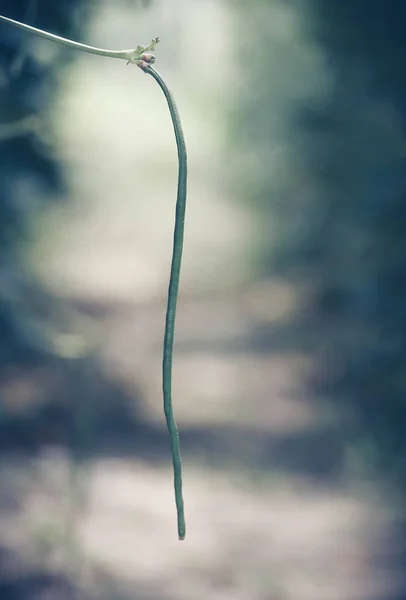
289 370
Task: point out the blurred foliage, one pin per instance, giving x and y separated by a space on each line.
332 108
362 257
44 368
42 389
30 175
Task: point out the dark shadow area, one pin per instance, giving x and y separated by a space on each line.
20 581
360 254
116 428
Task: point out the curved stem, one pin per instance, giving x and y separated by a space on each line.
129 55
172 299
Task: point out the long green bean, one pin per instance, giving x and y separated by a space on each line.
141 57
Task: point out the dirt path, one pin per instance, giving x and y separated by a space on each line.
269 514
